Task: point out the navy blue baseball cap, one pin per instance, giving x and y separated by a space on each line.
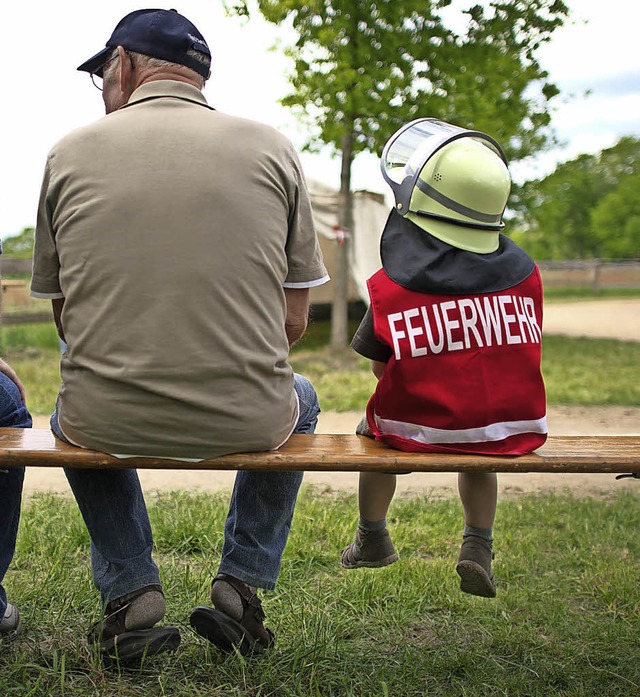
163 34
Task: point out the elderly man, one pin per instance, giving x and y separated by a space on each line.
177 246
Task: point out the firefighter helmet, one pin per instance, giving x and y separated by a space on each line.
452 182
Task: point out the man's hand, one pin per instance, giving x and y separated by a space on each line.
11 374
297 313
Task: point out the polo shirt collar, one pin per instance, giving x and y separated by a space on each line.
167 88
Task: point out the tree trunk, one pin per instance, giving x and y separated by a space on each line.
340 306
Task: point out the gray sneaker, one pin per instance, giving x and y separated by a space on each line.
372 548
474 567
10 623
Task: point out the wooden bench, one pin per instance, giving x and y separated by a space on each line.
37 447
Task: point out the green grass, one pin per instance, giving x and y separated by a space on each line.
577 371
33 352
566 620
563 294
581 371
18 338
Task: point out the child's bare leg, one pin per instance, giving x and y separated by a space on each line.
479 495
375 491
373 546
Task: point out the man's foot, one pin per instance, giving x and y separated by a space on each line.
372 548
10 624
126 632
474 567
236 621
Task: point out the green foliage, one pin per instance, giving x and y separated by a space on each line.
588 207
566 620
19 246
615 220
363 69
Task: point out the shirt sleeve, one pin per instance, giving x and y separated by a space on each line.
306 267
366 343
45 280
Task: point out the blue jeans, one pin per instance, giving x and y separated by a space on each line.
13 414
256 531
261 509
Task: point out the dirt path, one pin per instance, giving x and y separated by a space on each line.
603 319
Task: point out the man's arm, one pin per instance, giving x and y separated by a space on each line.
57 305
297 313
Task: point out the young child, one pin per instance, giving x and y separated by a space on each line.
453 332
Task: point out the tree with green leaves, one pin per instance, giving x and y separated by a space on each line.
362 69
587 207
615 220
19 246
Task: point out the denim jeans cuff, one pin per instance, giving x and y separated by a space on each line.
123 588
245 577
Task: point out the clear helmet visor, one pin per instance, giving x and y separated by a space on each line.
408 150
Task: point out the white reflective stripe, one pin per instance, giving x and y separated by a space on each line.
492 432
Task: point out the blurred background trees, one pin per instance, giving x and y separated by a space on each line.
587 208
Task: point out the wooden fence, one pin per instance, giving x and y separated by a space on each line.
596 274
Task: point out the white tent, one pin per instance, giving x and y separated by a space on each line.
370 213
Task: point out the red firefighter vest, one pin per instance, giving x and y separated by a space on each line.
464 375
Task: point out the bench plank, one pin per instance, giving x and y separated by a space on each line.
38 447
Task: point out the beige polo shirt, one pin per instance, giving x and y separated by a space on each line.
171 230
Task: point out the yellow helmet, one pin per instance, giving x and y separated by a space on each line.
452 182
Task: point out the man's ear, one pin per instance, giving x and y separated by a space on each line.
125 71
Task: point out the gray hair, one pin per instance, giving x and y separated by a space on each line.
150 62
146 61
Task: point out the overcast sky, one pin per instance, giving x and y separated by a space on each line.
45 97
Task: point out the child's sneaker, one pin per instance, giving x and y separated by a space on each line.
474 567
372 548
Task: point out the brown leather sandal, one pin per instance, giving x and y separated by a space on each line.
248 636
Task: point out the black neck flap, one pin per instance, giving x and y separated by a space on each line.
420 262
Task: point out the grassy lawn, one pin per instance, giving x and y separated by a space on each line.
553 295
566 620
565 623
